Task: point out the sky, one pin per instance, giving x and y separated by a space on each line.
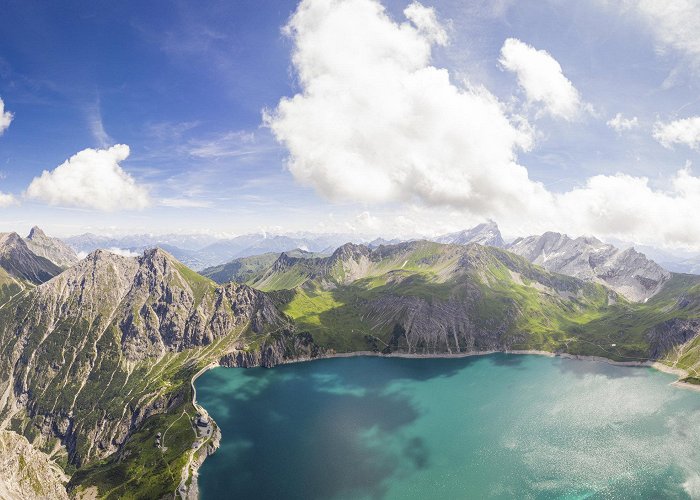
392 118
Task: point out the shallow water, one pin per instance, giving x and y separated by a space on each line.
497 426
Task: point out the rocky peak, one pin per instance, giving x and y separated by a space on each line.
628 272
52 249
487 234
349 251
36 233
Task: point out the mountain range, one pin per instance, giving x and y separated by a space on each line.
97 358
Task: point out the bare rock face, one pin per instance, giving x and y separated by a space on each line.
628 272
487 234
26 472
52 249
19 261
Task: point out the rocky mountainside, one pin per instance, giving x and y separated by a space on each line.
21 263
52 249
485 234
97 361
628 272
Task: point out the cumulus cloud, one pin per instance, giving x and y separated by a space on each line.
91 178
376 122
5 117
685 131
620 124
541 78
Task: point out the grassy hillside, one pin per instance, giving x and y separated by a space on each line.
357 302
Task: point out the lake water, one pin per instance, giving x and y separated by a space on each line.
498 426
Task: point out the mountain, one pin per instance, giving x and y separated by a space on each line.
245 269
96 364
52 249
628 272
201 252
256 244
485 234
423 297
21 263
89 242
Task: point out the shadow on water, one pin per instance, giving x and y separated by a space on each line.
581 369
304 432
508 360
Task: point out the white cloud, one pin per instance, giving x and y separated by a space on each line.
7 200
91 178
5 117
620 124
541 78
376 122
124 252
685 131
674 24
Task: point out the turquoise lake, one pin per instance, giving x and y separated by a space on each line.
497 426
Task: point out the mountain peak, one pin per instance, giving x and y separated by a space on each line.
486 233
629 273
36 232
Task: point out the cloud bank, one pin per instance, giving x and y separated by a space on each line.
541 78
375 122
91 178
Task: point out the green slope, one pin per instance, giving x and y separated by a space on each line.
529 307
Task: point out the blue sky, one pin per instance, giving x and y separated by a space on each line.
184 85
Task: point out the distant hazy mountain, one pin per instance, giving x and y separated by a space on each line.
628 272
484 234
245 269
50 248
200 252
89 242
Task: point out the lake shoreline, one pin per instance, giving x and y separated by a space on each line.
523 352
